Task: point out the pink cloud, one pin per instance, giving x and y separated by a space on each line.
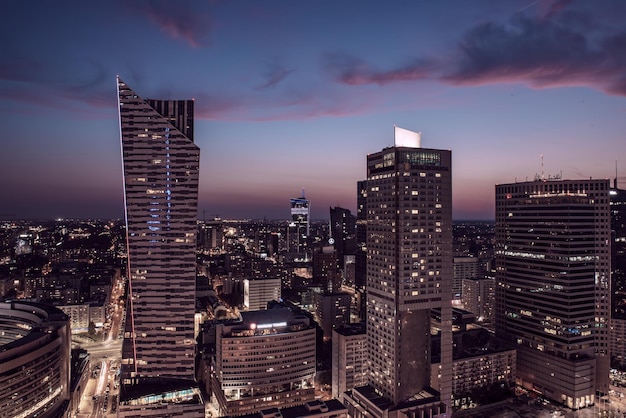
179 21
288 106
88 105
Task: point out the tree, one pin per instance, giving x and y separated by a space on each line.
92 328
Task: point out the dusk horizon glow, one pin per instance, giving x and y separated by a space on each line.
294 96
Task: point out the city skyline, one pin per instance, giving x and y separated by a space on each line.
292 97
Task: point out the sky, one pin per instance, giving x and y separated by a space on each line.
293 95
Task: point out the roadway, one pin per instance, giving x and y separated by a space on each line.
101 393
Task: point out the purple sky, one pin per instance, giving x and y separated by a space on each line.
295 94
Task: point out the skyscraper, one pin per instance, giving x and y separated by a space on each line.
552 285
360 259
343 233
409 272
299 227
325 272
160 163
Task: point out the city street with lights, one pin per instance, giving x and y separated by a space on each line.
102 391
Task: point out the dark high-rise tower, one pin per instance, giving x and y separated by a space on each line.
160 163
360 258
552 285
343 233
361 234
409 272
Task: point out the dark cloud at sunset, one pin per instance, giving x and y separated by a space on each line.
275 73
352 71
558 48
543 53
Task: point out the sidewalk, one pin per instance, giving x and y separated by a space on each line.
86 402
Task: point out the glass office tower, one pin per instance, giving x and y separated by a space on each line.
552 285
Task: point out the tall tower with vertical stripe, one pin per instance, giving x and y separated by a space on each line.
160 167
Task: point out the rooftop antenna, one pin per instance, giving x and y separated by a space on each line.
303 192
542 178
615 185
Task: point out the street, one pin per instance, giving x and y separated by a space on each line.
101 393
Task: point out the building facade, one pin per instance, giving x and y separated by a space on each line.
211 235
257 292
343 233
479 296
325 269
160 171
618 342
463 268
480 371
552 285
618 276
298 229
266 360
332 310
81 315
161 165
360 259
34 360
349 359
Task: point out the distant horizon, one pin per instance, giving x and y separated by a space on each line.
223 219
284 208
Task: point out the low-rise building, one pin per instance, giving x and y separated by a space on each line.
349 359
258 292
265 360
